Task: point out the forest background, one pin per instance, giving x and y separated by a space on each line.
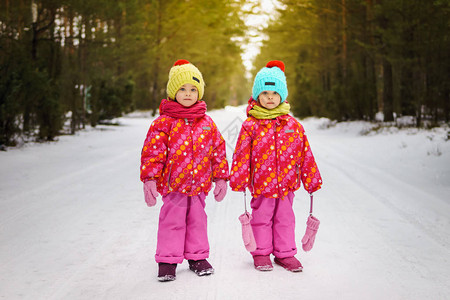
65 64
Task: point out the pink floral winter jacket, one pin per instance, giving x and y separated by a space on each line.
183 156
272 157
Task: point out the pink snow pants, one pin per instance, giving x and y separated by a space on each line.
273 225
182 230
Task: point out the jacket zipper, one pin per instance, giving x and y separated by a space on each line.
170 174
253 176
276 159
210 164
192 158
297 170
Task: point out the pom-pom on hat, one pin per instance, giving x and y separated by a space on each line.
271 78
181 73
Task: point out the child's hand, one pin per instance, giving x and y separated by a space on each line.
150 193
220 190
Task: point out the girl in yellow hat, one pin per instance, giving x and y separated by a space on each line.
183 154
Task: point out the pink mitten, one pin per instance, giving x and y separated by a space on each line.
220 190
312 224
150 192
247 232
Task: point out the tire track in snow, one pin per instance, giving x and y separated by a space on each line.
367 178
393 237
99 255
55 184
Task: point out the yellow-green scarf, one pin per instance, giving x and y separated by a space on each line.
264 113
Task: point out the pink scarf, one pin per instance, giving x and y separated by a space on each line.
176 110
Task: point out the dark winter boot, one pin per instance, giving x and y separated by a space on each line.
166 272
289 263
201 267
262 262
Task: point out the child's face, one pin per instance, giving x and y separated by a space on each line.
187 95
269 99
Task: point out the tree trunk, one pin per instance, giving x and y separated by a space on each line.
379 82
370 61
68 43
344 41
35 32
155 88
387 91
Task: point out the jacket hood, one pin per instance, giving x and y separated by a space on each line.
251 102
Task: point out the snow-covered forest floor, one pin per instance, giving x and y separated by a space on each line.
74 224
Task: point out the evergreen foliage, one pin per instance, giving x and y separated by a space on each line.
78 62
351 59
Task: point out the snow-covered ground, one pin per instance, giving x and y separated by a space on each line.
74 224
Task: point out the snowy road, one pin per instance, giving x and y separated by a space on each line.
74 224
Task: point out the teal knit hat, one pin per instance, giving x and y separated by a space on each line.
271 78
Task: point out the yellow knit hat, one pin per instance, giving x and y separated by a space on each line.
181 73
